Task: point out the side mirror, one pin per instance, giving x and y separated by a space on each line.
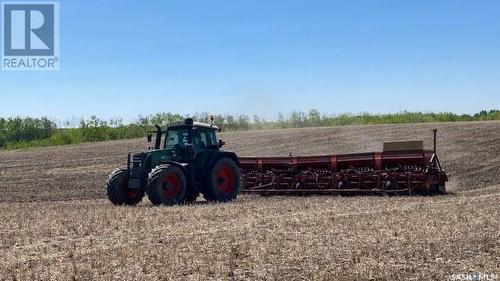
221 143
149 137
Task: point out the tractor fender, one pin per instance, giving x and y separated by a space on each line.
223 154
182 166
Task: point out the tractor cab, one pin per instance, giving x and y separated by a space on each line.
182 140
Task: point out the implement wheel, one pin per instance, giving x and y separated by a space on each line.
223 182
118 191
438 189
166 185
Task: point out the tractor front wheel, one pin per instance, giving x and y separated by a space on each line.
223 182
166 185
118 191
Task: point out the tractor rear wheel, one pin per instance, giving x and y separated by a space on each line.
223 181
166 185
118 191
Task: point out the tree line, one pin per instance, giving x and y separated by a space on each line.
18 132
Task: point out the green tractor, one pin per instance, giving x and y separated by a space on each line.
186 160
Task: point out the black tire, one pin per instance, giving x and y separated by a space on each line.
442 190
438 189
166 185
118 191
223 181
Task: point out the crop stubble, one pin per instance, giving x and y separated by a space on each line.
55 222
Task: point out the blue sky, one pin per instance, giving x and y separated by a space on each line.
124 58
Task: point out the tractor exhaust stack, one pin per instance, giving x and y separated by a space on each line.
158 136
434 131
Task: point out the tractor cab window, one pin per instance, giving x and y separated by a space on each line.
176 138
203 139
212 138
200 141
